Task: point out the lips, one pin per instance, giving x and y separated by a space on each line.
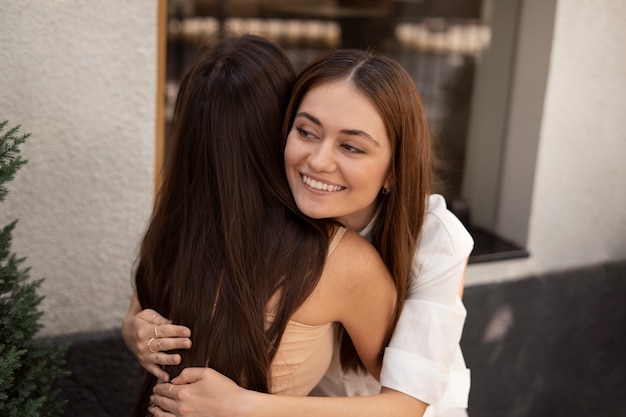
321 186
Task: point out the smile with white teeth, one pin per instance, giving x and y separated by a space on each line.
320 185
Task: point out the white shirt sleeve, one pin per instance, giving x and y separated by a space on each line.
423 358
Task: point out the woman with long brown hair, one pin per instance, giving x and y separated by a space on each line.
358 151
228 254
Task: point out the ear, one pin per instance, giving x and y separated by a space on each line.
386 186
388 183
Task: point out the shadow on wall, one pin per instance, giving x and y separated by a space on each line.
544 346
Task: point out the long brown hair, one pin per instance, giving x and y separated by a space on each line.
225 233
401 212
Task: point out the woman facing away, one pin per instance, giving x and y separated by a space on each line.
228 254
351 113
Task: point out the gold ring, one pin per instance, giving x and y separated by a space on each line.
156 331
158 344
149 347
170 389
152 319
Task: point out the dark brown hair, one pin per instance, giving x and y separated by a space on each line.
225 233
401 213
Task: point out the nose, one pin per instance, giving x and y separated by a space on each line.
322 158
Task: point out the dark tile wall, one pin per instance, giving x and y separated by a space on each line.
104 379
553 346
549 346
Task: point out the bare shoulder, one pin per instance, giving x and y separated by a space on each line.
355 245
356 261
362 298
353 272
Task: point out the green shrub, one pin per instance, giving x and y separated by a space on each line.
28 367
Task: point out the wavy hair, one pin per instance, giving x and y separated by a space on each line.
393 93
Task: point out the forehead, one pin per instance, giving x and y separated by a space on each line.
332 88
339 103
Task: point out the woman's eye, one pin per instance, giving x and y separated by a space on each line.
305 133
351 149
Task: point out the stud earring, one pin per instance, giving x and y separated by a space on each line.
385 190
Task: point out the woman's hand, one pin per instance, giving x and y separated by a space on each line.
148 335
204 392
199 392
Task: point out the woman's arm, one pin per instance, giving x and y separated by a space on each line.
435 371
363 296
203 392
141 327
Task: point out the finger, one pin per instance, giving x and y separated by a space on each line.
153 317
190 375
172 330
162 358
164 397
162 392
149 344
172 343
159 412
158 372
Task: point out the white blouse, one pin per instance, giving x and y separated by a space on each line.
423 359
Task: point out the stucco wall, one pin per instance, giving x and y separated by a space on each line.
578 211
81 77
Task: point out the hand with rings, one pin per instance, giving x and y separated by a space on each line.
149 336
198 392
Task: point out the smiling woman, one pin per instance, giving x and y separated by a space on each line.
338 155
357 150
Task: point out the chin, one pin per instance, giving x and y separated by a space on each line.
314 214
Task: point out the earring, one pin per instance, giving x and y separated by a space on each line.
385 190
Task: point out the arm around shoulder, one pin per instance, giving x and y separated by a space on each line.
388 403
215 395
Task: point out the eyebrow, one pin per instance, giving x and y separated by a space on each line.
351 132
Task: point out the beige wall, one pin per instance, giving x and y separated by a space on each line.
578 206
80 76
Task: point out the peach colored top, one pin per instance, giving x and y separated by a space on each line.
305 351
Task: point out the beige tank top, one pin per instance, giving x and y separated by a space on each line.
305 351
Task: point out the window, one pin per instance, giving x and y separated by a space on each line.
464 58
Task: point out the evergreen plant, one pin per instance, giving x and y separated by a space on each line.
28 367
